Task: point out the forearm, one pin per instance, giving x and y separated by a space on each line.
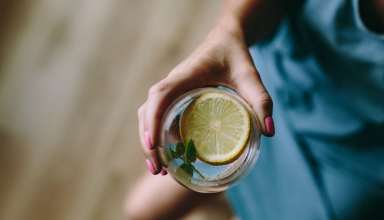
256 19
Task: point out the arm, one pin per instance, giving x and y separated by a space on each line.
257 19
223 57
225 50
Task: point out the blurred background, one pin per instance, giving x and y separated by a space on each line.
72 74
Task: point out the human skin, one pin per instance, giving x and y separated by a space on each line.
223 58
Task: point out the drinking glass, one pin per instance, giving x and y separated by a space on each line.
201 176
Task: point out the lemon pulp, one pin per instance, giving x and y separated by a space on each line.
219 126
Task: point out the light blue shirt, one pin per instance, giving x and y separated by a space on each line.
325 73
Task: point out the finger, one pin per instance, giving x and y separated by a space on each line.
140 116
163 93
159 98
152 161
163 172
250 86
145 138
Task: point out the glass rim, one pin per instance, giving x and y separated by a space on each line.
252 154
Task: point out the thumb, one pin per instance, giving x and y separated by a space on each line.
248 83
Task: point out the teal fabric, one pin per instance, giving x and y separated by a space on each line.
325 73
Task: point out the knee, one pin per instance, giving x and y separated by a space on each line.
134 211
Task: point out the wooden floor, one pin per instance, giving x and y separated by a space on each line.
72 74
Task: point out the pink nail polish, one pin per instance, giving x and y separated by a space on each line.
269 126
150 166
163 172
148 141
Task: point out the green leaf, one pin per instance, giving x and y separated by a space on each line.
174 150
167 155
180 149
171 146
184 173
198 172
173 154
188 168
190 151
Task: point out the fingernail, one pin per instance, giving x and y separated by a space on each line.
148 141
269 126
150 166
163 172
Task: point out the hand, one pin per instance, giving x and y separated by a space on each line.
223 58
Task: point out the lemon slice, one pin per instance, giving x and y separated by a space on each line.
219 126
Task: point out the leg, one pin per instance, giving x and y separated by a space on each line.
160 197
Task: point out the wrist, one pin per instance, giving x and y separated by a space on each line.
229 24
254 19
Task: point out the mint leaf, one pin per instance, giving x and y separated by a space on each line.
175 150
174 154
184 173
198 172
171 146
190 151
180 149
188 154
168 155
188 168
